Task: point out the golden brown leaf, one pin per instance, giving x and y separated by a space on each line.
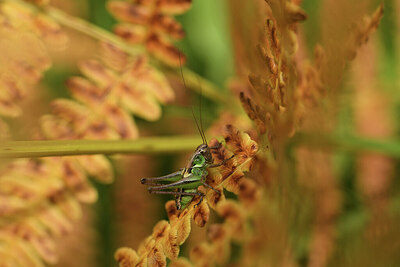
180 262
230 211
50 31
68 204
145 246
241 145
126 257
75 178
249 192
234 215
254 112
139 102
54 127
232 182
114 57
219 237
78 115
156 257
97 166
133 34
161 230
21 251
35 234
294 13
170 244
88 93
201 214
166 25
142 262
363 31
54 220
99 129
121 122
145 78
163 50
172 212
98 73
22 187
129 12
201 255
8 108
183 226
174 6
10 205
12 87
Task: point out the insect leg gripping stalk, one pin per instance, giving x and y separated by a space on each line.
203 182
221 163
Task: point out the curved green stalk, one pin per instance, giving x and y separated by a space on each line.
171 144
150 145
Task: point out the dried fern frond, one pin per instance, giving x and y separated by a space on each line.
45 193
49 192
168 236
25 39
150 23
362 30
289 95
271 99
314 78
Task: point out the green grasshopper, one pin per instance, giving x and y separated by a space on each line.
185 182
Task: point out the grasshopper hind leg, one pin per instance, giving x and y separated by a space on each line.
173 176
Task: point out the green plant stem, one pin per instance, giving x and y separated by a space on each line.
194 81
150 145
346 143
172 144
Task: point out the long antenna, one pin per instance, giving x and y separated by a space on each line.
198 128
201 118
197 124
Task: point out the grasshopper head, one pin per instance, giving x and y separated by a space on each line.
205 151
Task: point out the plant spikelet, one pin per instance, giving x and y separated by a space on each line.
363 30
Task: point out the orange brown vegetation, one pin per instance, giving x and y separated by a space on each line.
151 24
280 206
40 199
167 237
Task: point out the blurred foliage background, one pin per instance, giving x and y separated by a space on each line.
210 52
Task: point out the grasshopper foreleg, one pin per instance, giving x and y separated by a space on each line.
203 181
201 200
221 163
